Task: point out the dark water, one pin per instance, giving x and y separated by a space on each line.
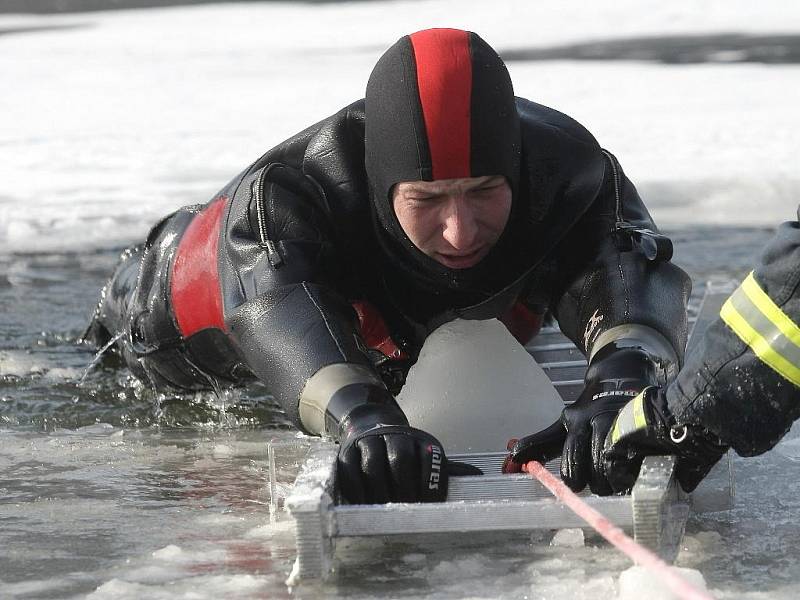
46 300
673 49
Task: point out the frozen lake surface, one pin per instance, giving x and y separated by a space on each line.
118 118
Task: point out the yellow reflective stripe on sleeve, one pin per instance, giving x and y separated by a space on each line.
759 323
631 418
771 310
639 420
616 430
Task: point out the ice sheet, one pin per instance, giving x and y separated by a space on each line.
128 115
475 387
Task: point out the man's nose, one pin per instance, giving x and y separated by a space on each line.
460 227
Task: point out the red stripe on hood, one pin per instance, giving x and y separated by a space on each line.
444 77
195 288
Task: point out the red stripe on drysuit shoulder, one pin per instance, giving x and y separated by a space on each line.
522 322
444 77
195 288
375 332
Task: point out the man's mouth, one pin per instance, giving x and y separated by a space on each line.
460 260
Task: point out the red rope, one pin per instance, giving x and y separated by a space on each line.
636 552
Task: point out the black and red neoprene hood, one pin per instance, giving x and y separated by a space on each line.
440 105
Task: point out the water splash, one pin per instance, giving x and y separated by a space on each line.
98 356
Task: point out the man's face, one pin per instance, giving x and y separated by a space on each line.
454 221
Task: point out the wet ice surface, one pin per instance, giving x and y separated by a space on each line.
108 491
136 513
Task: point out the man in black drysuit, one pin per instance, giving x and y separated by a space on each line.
321 268
739 388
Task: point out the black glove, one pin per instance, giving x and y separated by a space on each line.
383 459
645 426
614 377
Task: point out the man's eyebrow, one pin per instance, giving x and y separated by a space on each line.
422 191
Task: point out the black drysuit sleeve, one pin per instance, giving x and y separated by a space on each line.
285 300
612 292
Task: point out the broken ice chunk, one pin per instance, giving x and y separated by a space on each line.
474 387
637 582
568 538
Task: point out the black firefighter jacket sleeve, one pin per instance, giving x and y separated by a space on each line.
285 307
742 381
613 290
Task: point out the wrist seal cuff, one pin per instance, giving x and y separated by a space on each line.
637 336
322 386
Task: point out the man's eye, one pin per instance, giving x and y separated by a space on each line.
487 189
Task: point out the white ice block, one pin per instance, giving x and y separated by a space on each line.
474 387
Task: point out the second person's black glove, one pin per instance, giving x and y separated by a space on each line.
645 426
614 378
